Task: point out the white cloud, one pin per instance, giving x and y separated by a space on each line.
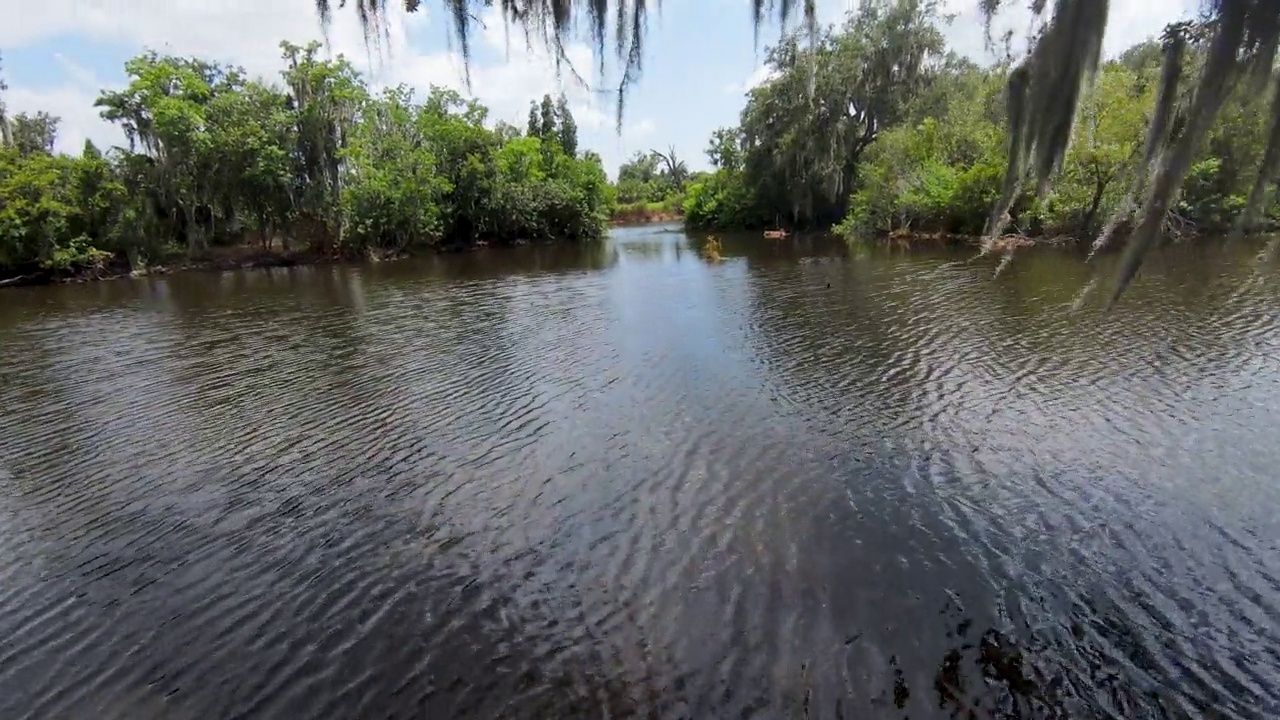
72 103
641 128
247 32
761 75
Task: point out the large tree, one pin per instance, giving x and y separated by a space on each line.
805 130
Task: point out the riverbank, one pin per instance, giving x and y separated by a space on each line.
216 259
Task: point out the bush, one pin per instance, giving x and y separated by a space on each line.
720 200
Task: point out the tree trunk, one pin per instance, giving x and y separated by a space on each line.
1100 187
189 215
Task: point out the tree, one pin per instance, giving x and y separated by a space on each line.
4 115
36 133
724 151
163 111
566 127
326 95
639 180
674 171
547 118
805 130
534 127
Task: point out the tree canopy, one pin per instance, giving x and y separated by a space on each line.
317 161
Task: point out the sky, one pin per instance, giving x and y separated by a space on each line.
700 60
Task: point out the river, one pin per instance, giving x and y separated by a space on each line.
620 481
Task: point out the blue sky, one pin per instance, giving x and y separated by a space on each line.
700 59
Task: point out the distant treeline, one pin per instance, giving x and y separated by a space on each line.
651 186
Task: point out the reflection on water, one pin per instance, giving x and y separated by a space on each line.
617 481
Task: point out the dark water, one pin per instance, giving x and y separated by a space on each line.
622 482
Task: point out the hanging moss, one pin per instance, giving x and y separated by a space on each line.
1246 35
1175 48
553 20
1267 170
1220 72
1019 136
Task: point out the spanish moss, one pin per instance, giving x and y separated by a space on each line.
553 21
1267 170
1044 94
1175 47
1016 100
1216 80
1065 58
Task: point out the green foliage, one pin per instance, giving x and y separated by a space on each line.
566 127
553 123
395 199
805 130
316 163
941 169
5 138
31 134
639 180
724 150
35 211
651 183
721 200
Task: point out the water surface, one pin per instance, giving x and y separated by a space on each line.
619 481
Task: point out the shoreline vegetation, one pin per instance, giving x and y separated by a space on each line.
919 145
319 163
223 170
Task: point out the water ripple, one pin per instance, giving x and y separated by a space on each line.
792 484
